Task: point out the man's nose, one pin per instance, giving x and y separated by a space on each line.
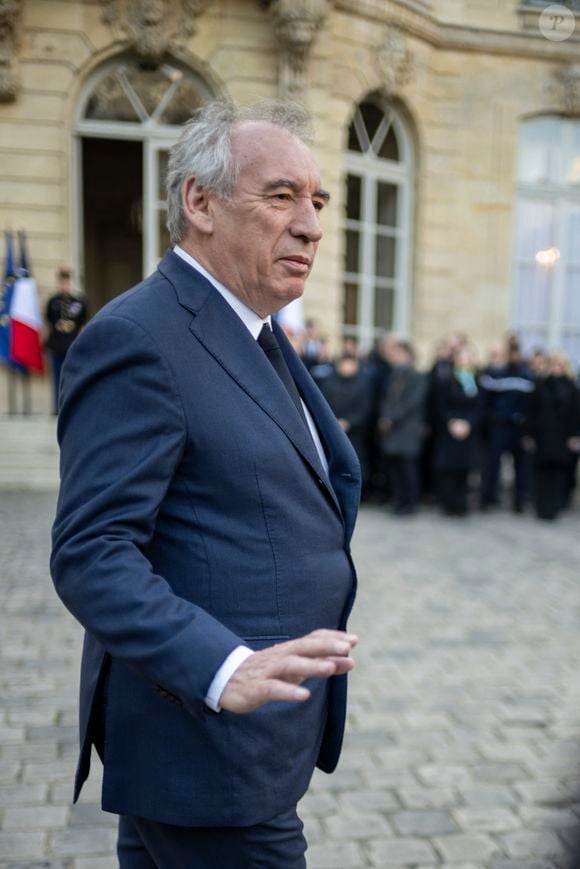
306 222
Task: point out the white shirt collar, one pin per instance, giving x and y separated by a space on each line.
249 318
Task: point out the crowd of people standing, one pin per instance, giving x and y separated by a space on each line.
441 435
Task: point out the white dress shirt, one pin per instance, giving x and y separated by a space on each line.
253 323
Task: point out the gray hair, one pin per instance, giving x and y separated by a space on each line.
204 150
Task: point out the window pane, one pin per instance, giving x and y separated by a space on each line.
351 304
535 228
532 339
384 308
570 345
109 102
164 242
352 250
532 294
574 236
385 257
186 99
387 204
372 117
572 297
390 148
150 84
353 196
353 142
541 150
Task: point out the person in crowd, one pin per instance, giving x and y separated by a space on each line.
66 314
437 377
313 350
349 393
401 424
379 370
207 502
457 414
553 429
538 363
506 389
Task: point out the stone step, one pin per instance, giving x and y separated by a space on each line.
28 453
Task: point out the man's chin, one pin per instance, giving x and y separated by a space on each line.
288 294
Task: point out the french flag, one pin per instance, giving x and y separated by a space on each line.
26 325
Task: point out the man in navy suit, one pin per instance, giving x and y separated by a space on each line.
207 503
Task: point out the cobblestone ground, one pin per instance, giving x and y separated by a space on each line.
464 736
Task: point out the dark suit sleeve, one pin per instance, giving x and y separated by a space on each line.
122 431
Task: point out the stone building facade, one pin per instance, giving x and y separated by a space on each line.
448 132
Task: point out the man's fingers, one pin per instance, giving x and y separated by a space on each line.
275 689
320 647
296 667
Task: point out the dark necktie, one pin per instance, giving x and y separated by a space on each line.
269 344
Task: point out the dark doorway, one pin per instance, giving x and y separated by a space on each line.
112 215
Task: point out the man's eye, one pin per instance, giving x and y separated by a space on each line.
318 205
282 197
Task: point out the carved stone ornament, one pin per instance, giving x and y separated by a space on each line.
395 61
296 24
9 24
569 80
152 26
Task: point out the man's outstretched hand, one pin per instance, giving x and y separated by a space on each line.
277 673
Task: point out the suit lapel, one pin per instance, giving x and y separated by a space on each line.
222 333
343 465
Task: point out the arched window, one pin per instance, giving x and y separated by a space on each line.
378 214
546 299
127 119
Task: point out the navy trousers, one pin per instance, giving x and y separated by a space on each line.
276 844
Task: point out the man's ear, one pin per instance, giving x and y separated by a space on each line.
196 204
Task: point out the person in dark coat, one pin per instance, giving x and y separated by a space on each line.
457 414
349 392
401 424
505 395
65 315
553 427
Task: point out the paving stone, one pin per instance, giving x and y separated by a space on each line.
399 852
19 846
486 819
541 818
528 843
31 792
464 847
357 826
498 772
483 795
330 855
34 817
428 798
90 815
83 841
424 823
442 775
95 863
369 800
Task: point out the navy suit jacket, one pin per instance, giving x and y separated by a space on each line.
194 515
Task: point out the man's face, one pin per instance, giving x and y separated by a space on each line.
264 240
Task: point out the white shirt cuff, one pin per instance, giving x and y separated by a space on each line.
224 674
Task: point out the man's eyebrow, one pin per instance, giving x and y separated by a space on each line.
292 185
